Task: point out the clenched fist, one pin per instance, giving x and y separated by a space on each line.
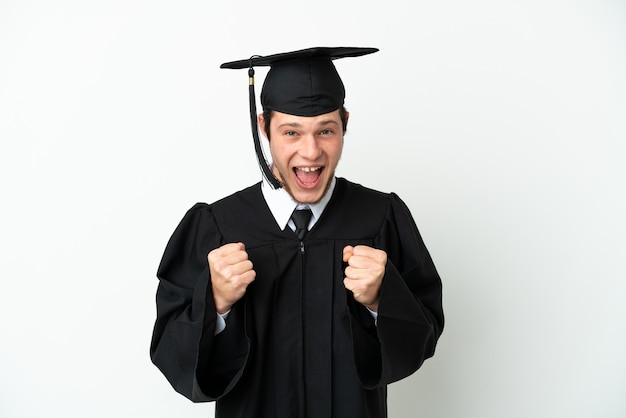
231 273
364 274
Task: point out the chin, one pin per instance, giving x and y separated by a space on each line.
306 197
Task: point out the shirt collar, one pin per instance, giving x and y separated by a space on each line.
281 204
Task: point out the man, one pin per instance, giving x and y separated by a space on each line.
303 295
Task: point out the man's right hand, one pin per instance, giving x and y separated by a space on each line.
231 273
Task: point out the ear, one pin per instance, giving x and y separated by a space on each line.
261 122
347 118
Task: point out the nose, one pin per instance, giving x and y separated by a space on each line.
310 148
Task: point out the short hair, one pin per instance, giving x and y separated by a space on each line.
267 119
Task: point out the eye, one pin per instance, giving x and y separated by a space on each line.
290 133
326 132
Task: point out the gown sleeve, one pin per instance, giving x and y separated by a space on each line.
183 345
410 312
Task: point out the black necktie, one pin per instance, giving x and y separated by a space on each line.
301 218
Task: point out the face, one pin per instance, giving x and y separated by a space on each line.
305 151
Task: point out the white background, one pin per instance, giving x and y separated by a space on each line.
501 124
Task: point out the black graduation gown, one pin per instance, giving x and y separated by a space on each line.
297 344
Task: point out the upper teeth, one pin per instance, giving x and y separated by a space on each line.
308 169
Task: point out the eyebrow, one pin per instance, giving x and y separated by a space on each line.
321 123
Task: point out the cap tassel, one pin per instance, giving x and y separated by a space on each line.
267 173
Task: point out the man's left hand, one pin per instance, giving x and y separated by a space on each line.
364 274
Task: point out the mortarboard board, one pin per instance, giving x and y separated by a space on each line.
300 83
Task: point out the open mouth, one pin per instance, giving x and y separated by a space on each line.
308 177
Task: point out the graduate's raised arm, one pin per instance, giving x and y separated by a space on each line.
231 273
364 274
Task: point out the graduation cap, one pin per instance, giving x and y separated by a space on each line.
300 83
